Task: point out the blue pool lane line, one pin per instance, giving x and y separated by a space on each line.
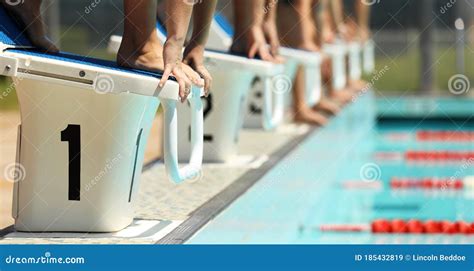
273 210
303 191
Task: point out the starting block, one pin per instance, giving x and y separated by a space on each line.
220 33
224 107
311 61
84 124
338 53
369 57
355 62
265 105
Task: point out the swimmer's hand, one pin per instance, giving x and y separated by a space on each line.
194 57
173 66
257 45
271 33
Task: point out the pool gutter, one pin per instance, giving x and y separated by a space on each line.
213 207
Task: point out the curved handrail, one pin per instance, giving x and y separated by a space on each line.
273 105
369 55
313 84
355 69
338 55
193 169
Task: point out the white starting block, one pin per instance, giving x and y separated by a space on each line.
311 62
84 124
220 33
369 57
337 52
266 102
224 107
355 62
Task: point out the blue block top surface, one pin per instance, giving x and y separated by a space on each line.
161 27
94 62
11 35
224 24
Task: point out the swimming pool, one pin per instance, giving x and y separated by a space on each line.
305 189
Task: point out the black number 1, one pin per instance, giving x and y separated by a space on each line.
72 134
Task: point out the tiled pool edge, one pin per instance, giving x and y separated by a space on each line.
213 207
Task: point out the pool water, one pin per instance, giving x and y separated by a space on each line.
305 189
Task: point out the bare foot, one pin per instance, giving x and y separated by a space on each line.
308 116
27 14
343 96
149 57
358 85
327 106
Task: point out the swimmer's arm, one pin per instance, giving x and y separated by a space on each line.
203 15
251 13
326 15
202 19
306 10
270 26
271 8
177 21
337 12
363 14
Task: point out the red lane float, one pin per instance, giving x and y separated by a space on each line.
428 184
459 136
397 183
399 226
433 156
